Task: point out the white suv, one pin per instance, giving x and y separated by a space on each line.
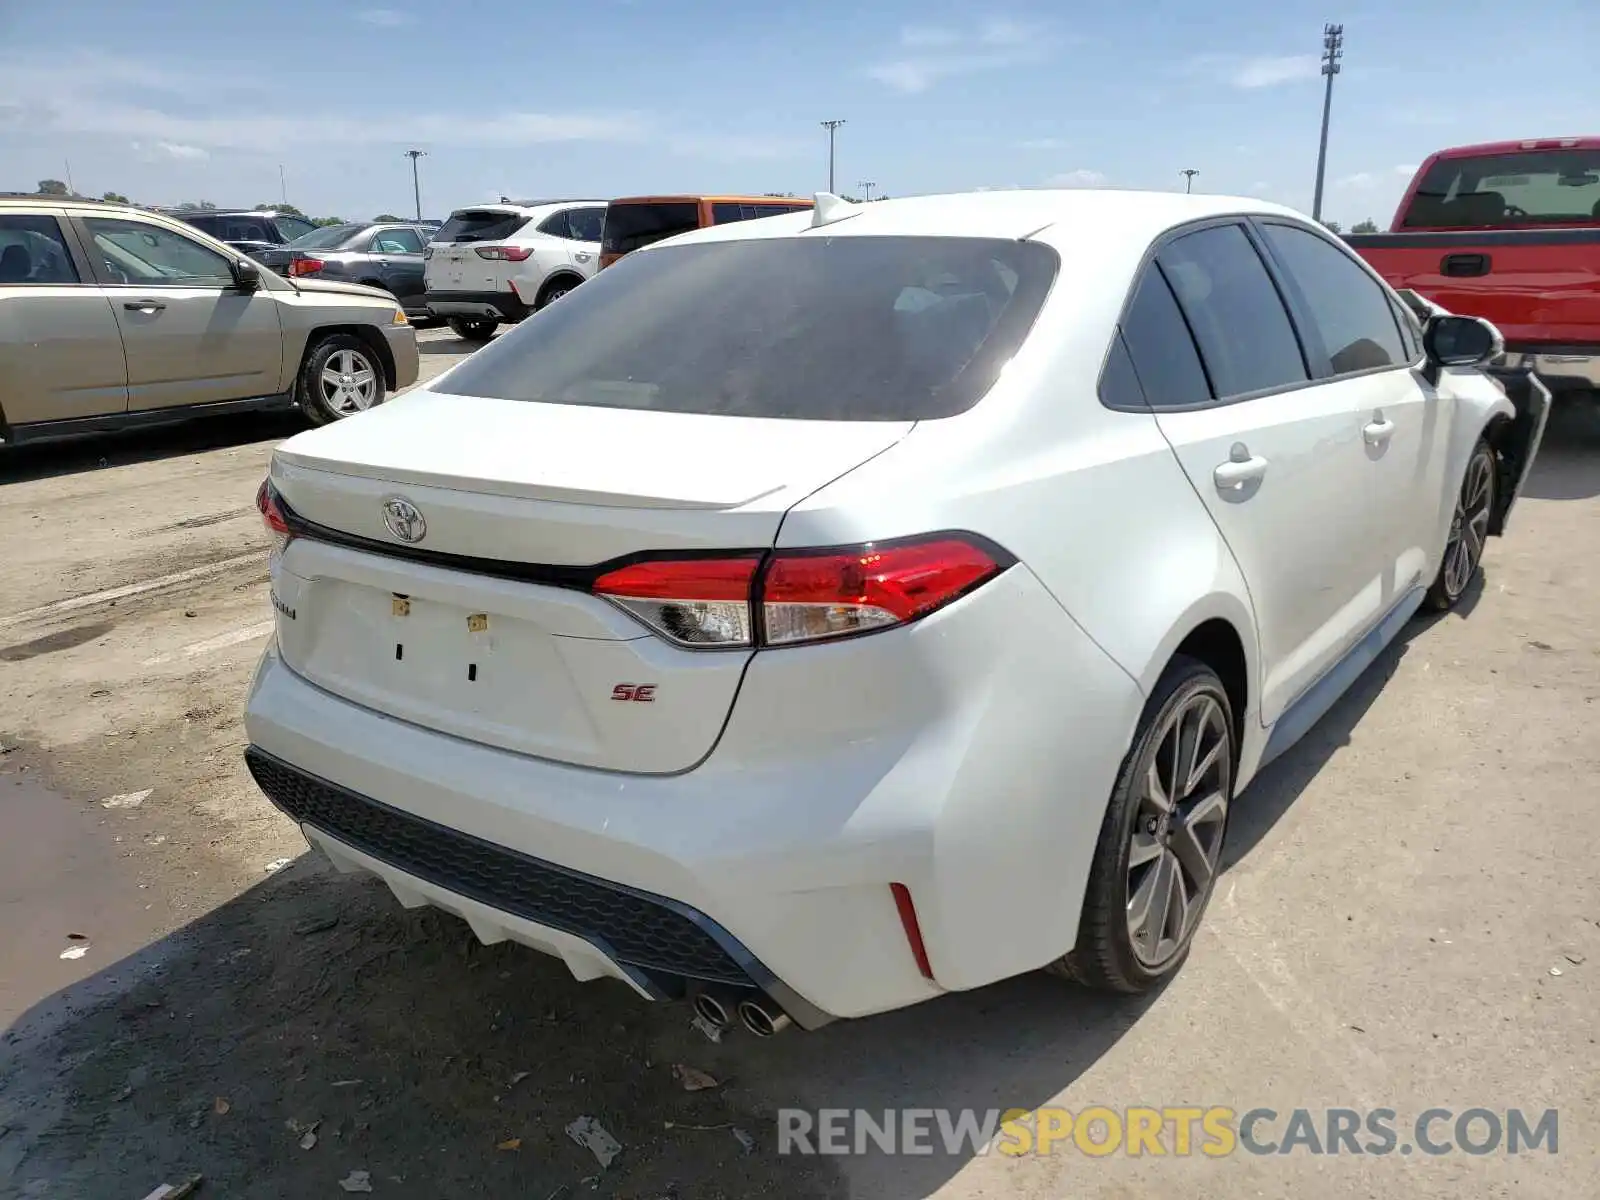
499 262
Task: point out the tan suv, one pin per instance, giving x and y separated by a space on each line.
112 316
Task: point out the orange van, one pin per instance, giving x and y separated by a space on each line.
639 220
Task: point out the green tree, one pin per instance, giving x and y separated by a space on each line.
115 198
289 209
196 206
387 217
325 222
1335 226
1367 226
53 187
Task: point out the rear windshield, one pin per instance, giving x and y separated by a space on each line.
1530 187
326 239
837 328
633 226
479 225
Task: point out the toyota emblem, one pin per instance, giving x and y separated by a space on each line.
403 519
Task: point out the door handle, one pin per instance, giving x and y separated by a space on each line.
581 257
1378 430
1241 468
144 306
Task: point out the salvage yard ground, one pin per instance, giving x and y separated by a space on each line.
1410 918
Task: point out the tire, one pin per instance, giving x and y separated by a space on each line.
1469 529
1115 952
322 391
473 329
554 290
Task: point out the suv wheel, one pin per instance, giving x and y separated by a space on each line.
556 289
340 377
473 329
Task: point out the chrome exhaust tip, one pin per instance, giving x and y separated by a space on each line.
763 1018
714 1008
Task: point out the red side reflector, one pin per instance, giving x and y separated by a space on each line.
908 921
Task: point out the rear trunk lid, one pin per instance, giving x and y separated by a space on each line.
482 626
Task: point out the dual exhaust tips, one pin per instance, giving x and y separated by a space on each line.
755 1012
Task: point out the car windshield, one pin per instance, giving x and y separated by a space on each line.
840 328
326 239
1532 187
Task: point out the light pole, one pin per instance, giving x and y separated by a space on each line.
1188 174
283 186
832 127
866 185
1332 52
416 186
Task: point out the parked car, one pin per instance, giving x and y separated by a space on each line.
496 263
1509 231
247 230
387 256
113 316
639 221
830 611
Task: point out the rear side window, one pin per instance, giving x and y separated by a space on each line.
630 227
1233 307
480 225
841 328
33 250
725 211
1348 308
1160 351
397 241
205 224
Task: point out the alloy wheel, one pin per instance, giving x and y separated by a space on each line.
1469 527
1177 831
349 383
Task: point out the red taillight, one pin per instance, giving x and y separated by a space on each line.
803 595
306 266
807 596
505 253
691 601
271 514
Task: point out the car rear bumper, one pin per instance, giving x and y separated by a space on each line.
498 306
1565 371
767 866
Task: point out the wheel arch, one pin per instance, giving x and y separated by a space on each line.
560 275
365 334
1218 630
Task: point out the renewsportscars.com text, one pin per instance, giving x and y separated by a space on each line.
1179 1131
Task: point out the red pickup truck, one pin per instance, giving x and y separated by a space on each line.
1507 231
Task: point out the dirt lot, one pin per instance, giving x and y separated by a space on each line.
1410 919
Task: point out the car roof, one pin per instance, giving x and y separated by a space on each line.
1052 215
1483 149
714 197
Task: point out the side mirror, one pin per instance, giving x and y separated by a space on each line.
1452 341
246 275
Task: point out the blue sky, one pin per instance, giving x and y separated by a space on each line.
169 102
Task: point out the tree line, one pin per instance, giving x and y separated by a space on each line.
55 187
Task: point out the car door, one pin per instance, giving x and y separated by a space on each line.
397 250
1354 333
191 335
1276 456
587 226
60 353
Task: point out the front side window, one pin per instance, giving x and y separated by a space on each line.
136 253
588 224
1350 311
34 251
1239 320
840 328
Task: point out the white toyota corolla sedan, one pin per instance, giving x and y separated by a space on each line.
814 615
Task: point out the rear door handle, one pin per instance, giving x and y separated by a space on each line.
1378 430
1239 470
144 306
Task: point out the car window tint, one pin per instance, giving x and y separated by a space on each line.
1119 383
1233 307
1160 350
134 252
1410 330
290 228
587 223
842 329
632 226
33 250
480 225
397 241
556 225
1350 311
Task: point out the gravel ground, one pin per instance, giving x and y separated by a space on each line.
1410 918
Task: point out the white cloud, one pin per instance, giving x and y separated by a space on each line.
936 53
1083 177
1406 169
1260 71
385 18
1360 181
179 150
